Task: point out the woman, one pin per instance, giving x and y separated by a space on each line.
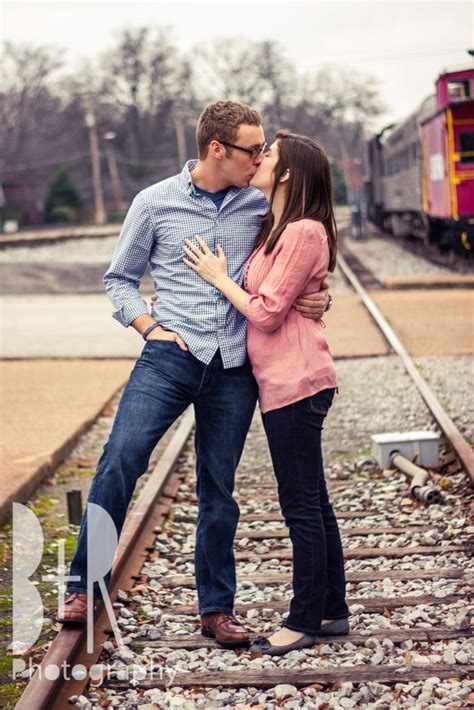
294 371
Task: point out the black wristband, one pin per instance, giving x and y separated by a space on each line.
149 329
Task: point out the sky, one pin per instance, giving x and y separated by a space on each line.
404 45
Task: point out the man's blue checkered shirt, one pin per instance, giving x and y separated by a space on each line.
160 219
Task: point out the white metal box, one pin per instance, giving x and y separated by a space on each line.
423 444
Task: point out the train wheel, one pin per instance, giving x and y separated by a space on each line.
421 227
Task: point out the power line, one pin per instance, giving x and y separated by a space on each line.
84 156
389 57
22 168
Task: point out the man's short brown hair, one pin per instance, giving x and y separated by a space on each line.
220 121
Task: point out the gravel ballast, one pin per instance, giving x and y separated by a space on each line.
376 395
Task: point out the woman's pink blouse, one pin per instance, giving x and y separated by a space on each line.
289 353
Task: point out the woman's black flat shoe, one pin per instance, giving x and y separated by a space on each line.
263 645
336 627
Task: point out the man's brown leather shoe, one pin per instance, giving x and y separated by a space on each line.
225 628
74 611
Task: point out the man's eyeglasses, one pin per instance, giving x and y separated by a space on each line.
253 152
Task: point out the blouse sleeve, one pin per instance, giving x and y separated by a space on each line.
299 251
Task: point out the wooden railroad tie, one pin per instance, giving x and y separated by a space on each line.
358 553
268 579
371 605
195 641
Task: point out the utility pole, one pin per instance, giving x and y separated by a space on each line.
180 139
113 170
99 211
353 179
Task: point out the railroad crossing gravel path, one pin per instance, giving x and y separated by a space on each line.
387 257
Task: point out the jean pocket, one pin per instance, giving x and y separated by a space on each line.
154 341
320 402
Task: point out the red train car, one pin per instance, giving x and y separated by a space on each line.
420 172
447 137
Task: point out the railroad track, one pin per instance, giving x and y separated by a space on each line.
400 634
365 276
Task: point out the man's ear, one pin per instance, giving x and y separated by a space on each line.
286 176
217 150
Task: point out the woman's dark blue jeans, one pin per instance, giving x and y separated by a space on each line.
319 585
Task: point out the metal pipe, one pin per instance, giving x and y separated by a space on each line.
419 477
74 507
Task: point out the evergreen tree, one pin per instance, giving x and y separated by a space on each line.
338 184
63 200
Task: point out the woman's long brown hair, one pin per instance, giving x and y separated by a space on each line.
308 191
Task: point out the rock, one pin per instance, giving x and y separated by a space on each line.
285 691
326 650
424 698
126 655
462 620
345 690
371 643
154 634
448 656
175 656
377 658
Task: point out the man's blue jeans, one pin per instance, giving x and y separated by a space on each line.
164 381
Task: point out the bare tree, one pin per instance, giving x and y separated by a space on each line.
137 79
149 96
27 103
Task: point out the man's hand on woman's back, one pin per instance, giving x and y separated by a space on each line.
313 305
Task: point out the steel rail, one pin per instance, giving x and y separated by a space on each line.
42 691
452 433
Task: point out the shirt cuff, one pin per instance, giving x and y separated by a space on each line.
129 312
260 316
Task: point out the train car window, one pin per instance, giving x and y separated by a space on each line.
466 147
459 89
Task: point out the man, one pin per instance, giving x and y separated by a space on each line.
195 351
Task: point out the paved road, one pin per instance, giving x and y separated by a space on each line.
428 322
81 326
66 267
44 404
63 326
